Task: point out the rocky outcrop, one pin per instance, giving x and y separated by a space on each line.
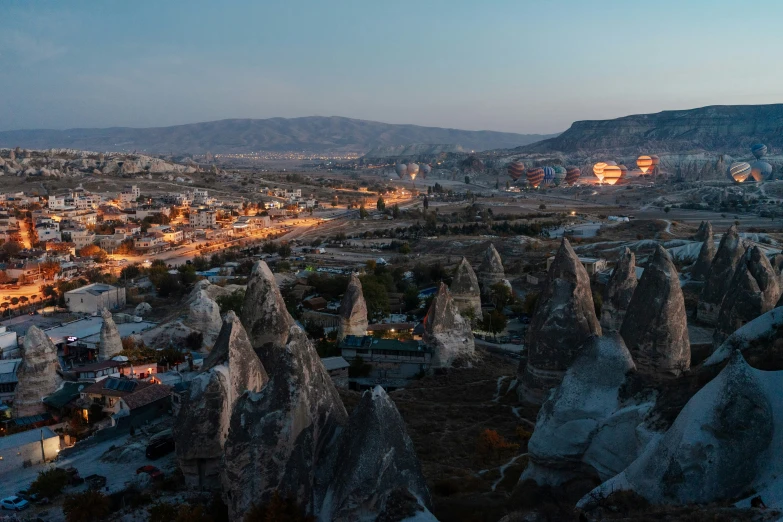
465 291
717 282
754 290
231 369
759 340
264 313
213 291
619 290
142 309
38 375
701 268
655 328
204 317
704 231
111 344
491 270
584 428
446 332
564 318
377 462
353 311
724 443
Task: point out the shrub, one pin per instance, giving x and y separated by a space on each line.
490 442
194 340
49 483
523 434
89 506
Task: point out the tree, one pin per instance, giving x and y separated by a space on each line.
501 295
89 506
130 272
233 301
405 249
467 180
667 209
381 204
395 211
284 250
194 341
363 212
494 321
411 298
50 482
200 263
89 251
11 248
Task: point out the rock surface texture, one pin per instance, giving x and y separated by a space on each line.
204 317
111 344
491 270
353 311
38 375
655 328
264 313
465 290
722 269
142 309
701 268
564 318
619 290
446 332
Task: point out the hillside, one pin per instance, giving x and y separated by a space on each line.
317 134
719 128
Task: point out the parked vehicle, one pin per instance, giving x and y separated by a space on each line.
95 481
14 503
160 447
152 471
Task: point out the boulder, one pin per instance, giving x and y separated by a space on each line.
619 290
38 374
701 268
564 318
377 462
465 291
446 332
655 328
264 313
717 282
143 309
111 344
583 428
204 317
200 430
491 270
754 290
353 311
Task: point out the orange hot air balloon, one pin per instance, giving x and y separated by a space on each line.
644 163
535 176
516 169
598 170
612 174
572 174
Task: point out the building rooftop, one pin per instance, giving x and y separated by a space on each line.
88 330
94 289
68 392
334 363
147 395
114 387
25 437
369 342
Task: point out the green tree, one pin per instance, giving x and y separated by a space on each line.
467 180
363 212
88 506
411 298
130 272
405 249
50 482
375 296
494 321
501 295
381 204
233 301
395 211
284 250
200 263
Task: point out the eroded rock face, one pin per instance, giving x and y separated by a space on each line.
38 374
353 310
717 282
583 429
446 331
376 462
143 309
619 290
754 290
701 268
204 317
563 320
465 290
715 449
264 313
655 328
231 369
111 344
491 270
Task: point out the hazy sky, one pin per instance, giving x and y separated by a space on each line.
517 65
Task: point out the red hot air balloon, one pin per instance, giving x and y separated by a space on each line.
535 176
572 174
515 170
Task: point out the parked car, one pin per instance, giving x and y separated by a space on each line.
160 447
14 503
152 471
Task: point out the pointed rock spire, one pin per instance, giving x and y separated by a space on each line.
204 317
563 320
446 331
701 267
722 269
466 291
655 328
705 228
491 269
111 344
38 375
353 310
264 313
618 291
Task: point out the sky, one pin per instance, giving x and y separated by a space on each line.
509 65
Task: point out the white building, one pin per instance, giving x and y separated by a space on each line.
28 448
203 219
94 298
9 343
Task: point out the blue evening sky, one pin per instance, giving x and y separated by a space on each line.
516 65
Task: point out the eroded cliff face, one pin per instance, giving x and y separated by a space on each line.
701 268
466 291
353 310
445 331
491 270
619 290
204 317
264 314
111 344
38 375
719 277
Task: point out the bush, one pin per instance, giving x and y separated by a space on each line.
194 340
232 301
89 506
491 443
49 483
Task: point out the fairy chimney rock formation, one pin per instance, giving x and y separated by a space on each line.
445 331
465 290
231 369
353 311
721 272
701 267
704 231
264 313
204 317
38 375
655 328
618 291
491 270
111 344
564 318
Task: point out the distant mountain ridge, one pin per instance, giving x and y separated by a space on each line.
313 133
717 128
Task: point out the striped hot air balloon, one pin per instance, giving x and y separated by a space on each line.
612 174
739 171
572 174
549 175
644 163
413 170
760 170
535 176
560 174
598 170
516 169
759 150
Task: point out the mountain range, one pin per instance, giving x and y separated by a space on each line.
314 134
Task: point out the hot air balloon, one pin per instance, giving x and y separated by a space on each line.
549 175
611 163
612 174
739 171
535 176
623 171
655 161
413 170
560 174
572 174
598 170
516 169
401 169
761 170
425 169
759 150
644 163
